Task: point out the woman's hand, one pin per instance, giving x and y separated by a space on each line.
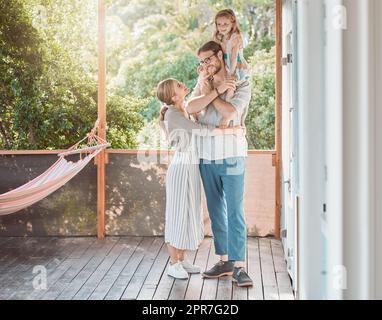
239 131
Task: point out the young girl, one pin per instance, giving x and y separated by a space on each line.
228 35
184 218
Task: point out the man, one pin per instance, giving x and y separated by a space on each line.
222 161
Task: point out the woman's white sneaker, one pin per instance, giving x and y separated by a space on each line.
177 271
190 268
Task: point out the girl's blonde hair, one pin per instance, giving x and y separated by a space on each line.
226 13
165 93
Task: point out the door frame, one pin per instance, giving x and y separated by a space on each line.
278 138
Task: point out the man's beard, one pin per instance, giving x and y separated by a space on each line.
212 70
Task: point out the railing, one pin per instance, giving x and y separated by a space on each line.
135 195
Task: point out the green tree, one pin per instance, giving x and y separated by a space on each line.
48 65
48 87
260 120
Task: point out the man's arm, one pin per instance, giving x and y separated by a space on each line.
208 96
197 104
226 109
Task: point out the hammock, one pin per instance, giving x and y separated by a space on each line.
53 178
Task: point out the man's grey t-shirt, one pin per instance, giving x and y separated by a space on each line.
224 146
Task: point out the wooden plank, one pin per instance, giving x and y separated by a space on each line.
153 278
20 258
178 290
278 256
286 293
195 283
239 293
268 270
135 268
271 293
24 264
62 266
164 287
210 285
124 278
283 280
136 282
53 255
96 277
267 267
78 281
254 270
112 275
70 270
80 249
14 253
224 289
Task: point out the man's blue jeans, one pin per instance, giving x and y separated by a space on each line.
223 182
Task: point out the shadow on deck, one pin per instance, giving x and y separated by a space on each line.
130 268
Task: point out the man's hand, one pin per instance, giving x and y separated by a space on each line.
226 85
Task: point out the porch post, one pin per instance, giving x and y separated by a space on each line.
100 160
278 118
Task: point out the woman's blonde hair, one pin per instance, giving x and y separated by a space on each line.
165 93
226 13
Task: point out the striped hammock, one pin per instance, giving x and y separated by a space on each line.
53 178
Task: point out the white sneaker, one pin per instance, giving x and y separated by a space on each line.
177 271
190 268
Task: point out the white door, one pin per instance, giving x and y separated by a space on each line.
288 141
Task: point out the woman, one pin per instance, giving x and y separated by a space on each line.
184 228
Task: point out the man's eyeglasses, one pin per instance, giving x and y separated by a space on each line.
206 60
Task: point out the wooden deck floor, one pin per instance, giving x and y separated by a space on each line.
129 268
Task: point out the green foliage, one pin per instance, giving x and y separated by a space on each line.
124 121
48 65
260 120
20 66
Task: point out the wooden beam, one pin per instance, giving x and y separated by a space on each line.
102 119
136 151
116 151
278 117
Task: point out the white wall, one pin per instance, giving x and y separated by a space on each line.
333 144
378 141
311 150
358 149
